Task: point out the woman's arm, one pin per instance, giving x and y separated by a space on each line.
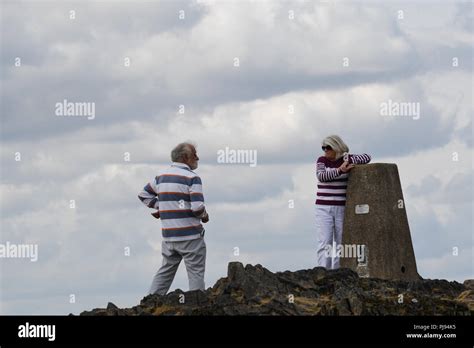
360 159
326 174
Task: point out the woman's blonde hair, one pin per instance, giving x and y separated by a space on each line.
337 144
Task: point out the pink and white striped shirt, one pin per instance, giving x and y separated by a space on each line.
332 182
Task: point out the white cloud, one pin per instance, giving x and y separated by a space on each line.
284 65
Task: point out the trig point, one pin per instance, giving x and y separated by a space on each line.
375 216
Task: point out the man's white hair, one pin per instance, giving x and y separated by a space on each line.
181 150
337 144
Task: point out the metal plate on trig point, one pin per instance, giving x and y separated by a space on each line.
362 209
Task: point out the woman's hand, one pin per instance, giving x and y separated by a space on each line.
345 167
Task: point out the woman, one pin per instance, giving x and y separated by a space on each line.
332 171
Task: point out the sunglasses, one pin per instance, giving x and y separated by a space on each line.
329 148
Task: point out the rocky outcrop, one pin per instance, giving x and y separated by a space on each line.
254 290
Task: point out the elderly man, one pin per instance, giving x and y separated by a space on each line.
177 195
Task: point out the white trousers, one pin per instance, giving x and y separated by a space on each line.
329 221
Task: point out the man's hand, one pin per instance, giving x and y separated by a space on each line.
156 214
345 167
205 218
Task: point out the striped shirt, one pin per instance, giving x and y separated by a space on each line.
177 194
332 182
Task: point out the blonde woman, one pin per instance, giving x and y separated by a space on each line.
332 171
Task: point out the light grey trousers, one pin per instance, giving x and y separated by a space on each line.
194 254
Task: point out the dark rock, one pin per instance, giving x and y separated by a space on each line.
110 306
254 290
469 283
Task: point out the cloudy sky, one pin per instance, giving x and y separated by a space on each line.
271 76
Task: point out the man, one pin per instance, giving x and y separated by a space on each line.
177 195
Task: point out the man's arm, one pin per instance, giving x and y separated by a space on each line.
197 199
149 197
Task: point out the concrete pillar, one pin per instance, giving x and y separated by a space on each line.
375 217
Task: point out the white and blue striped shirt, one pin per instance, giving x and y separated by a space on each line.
177 194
